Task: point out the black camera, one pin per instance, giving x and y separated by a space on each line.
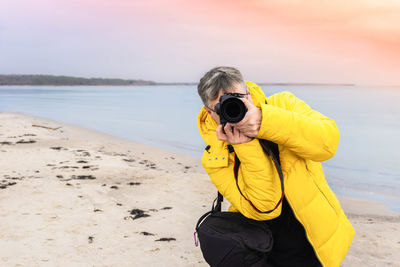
230 108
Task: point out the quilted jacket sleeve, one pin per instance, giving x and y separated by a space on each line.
290 122
258 181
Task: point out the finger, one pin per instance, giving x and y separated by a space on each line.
249 106
233 128
243 122
237 134
233 131
220 135
228 131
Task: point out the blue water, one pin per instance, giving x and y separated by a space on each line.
366 165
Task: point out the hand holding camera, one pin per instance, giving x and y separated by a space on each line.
240 119
250 124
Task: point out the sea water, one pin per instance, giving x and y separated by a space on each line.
366 165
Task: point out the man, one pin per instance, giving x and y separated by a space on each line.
309 226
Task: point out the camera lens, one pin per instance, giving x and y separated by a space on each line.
233 109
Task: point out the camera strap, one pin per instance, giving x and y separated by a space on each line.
271 149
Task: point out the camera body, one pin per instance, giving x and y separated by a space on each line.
230 108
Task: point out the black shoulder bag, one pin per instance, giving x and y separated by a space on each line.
231 239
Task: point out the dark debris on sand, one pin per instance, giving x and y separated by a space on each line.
137 213
134 183
167 239
148 163
146 233
4 184
83 177
57 147
6 143
6 176
77 177
22 141
81 153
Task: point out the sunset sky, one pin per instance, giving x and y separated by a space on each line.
339 41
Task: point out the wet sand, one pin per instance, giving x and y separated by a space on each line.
70 196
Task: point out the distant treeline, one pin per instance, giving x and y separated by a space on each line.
15 79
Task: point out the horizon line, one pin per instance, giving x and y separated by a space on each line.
195 83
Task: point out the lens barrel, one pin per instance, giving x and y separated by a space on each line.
230 109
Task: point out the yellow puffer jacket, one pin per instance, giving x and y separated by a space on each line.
305 137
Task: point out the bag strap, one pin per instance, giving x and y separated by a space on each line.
215 207
220 199
266 146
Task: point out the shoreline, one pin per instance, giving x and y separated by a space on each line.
173 148
73 194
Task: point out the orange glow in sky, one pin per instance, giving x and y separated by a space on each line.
355 41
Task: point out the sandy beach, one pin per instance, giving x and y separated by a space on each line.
70 196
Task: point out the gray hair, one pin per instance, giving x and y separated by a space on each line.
217 79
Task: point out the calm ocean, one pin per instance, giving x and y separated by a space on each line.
366 165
